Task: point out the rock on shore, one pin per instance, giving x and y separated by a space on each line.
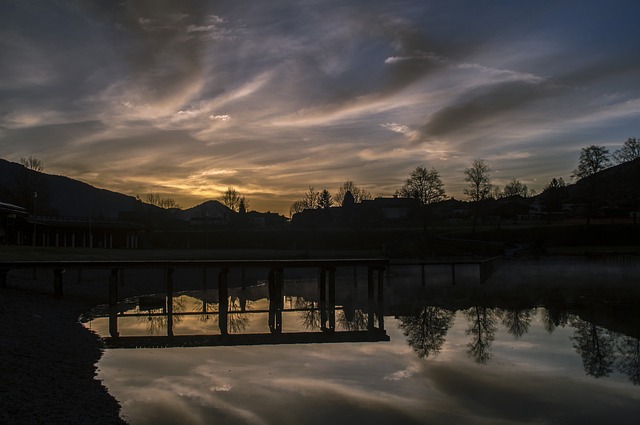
47 363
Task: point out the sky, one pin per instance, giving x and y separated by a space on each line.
189 98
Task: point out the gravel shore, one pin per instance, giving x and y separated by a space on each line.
48 363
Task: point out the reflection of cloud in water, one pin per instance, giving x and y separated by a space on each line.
537 377
403 374
526 397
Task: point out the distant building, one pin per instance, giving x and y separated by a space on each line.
374 211
13 221
82 232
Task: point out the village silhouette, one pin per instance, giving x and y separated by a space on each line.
600 207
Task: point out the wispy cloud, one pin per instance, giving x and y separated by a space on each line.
311 92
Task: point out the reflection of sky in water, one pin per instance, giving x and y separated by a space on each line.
537 378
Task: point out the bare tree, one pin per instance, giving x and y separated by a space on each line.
593 159
153 199
515 188
358 193
296 207
477 175
424 185
156 199
231 199
29 186
310 200
629 151
32 163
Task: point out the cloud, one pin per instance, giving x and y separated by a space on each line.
485 105
311 92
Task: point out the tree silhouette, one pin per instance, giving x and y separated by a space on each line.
231 199
424 185
30 189
482 329
515 188
593 159
358 193
32 163
629 358
517 321
629 151
310 314
596 347
427 329
159 201
553 194
324 199
553 317
357 320
238 319
477 175
243 206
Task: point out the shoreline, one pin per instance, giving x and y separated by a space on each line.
49 362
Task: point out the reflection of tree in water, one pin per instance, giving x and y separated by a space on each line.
482 327
156 324
629 360
554 317
596 347
353 320
237 320
427 329
310 316
517 321
207 309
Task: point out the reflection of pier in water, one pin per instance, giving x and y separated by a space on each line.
319 314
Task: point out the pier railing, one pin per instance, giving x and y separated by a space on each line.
326 272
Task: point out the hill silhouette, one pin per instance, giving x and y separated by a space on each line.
67 197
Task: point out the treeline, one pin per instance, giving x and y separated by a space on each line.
426 186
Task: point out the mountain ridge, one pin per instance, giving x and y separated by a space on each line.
67 197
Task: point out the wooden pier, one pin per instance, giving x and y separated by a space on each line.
326 271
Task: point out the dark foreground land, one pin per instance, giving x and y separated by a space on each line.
49 363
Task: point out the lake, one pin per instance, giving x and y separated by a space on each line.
565 350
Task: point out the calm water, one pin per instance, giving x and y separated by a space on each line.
455 354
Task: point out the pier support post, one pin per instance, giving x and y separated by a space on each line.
113 322
332 299
169 277
376 307
322 290
275 300
370 293
381 298
453 273
223 301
